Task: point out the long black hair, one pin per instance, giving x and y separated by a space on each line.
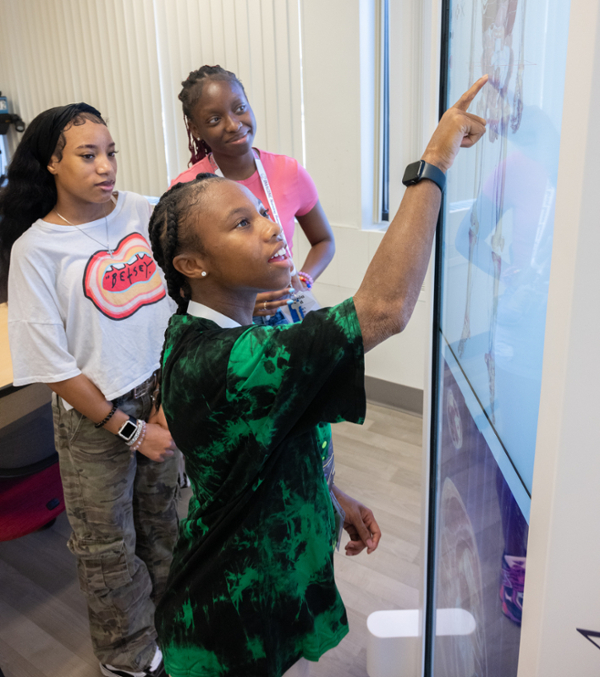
31 190
189 97
170 232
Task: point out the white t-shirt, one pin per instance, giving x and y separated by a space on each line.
72 309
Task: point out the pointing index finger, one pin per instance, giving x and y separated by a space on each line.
465 100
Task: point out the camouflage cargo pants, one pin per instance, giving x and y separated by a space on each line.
122 510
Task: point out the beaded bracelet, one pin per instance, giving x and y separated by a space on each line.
306 278
138 443
107 418
138 432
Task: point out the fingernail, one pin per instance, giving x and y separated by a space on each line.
289 302
370 543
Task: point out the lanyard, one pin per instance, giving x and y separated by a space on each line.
266 187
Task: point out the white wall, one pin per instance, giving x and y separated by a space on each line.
338 160
562 586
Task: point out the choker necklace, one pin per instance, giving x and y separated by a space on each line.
107 246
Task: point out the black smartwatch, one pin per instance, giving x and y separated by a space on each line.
417 171
127 430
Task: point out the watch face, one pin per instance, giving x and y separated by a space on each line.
412 173
128 430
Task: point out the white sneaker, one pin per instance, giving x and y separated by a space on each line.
155 669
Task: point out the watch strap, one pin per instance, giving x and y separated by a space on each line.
417 171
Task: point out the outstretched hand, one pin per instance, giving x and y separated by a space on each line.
360 524
457 129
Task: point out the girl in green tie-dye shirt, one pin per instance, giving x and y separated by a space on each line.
251 589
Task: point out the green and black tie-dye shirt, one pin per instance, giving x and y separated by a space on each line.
251 588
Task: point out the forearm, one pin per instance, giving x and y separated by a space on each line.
156 443
318 258
389 292
84 396
322 243
390 289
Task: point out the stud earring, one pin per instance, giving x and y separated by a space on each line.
203 273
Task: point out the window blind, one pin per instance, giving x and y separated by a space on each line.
128 58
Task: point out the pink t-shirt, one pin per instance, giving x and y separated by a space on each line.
294 192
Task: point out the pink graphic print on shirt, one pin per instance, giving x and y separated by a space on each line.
121 285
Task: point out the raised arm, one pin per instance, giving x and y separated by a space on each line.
390 289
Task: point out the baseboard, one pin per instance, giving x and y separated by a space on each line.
394 395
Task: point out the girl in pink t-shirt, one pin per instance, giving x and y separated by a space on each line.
221 128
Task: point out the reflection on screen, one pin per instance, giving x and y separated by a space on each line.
500 210
495 271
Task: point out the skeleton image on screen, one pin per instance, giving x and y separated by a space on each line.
501 216
501 104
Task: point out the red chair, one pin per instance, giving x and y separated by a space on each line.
31 495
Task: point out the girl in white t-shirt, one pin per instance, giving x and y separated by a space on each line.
87 310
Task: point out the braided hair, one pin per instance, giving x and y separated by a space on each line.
169 235
189 97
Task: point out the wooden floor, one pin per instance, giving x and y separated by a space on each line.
378 463
43 620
